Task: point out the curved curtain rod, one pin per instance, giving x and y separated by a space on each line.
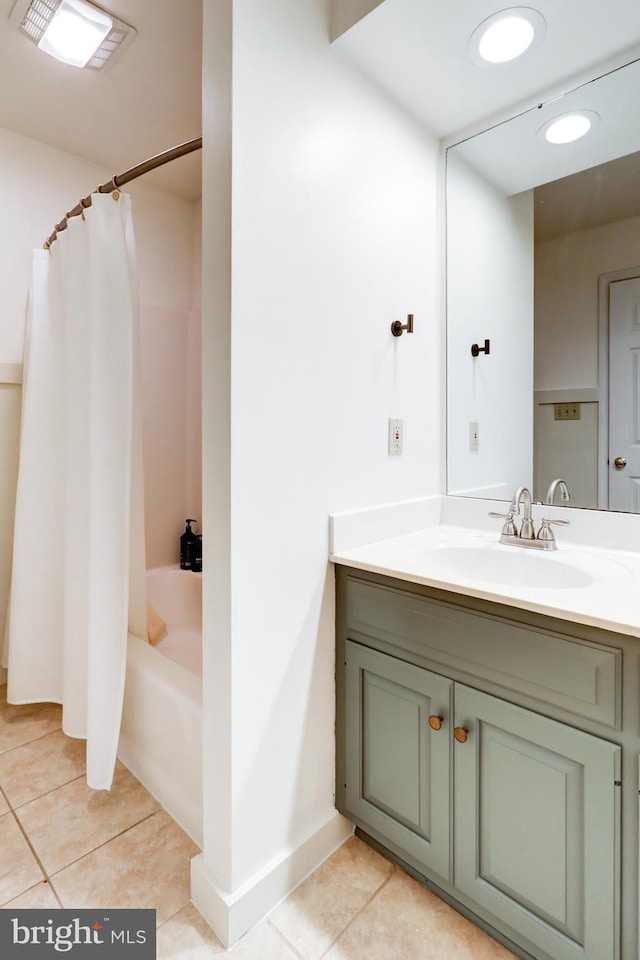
121 178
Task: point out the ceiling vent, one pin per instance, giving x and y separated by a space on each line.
105 34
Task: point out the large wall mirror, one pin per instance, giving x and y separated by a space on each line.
543 261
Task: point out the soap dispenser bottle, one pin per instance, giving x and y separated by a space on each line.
187 547
196 565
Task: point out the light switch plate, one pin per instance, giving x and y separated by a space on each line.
566 411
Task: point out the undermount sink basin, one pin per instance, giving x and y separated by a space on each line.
523 567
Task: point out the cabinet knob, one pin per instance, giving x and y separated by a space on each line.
435 722
461 734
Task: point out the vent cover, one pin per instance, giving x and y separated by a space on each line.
32 17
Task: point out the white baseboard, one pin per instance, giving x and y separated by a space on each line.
231 915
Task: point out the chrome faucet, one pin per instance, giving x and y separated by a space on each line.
527 531
527 537
558 485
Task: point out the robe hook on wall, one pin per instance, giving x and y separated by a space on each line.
397 328
476 350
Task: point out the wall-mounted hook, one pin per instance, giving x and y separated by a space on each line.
397 327
476 350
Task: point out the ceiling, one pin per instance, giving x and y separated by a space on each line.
417 52
147 99
603 194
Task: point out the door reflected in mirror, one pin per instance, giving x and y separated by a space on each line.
543 259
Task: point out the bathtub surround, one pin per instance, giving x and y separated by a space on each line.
170 398
161 734
178 594
78 563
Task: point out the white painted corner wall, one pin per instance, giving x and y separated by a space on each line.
346 13
485 231
331 236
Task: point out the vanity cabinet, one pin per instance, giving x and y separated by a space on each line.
508 803
397 776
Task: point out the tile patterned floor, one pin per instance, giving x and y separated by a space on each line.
64 845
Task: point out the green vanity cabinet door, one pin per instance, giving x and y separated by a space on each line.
397 766
537 826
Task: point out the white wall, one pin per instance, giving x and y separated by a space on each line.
37 185
566 347
334 237
566 290
489 296
567 449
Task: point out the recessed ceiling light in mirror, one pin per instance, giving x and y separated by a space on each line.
570 127
506 35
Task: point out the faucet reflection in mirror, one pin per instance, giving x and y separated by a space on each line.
560 485
527 536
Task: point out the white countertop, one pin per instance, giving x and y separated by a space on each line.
583 583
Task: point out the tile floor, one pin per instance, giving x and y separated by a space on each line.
63 845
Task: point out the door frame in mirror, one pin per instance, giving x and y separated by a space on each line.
604 282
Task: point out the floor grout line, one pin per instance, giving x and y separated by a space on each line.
284 939
362 908
16 812
34 853
25 803
105 842
26 743
179 910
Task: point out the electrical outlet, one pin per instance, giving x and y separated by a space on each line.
395 437
474 436
566 411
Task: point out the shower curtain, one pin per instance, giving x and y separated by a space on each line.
78 563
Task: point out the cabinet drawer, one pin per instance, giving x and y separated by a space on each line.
581 677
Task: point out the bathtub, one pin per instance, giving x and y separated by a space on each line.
161 732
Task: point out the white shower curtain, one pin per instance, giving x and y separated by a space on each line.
78 564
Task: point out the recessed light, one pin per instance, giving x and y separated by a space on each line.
569 127
74 31
506 35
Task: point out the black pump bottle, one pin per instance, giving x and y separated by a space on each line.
187 547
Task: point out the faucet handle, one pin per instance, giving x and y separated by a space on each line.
546 533
509 529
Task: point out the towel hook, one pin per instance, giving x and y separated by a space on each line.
397 328
477 350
